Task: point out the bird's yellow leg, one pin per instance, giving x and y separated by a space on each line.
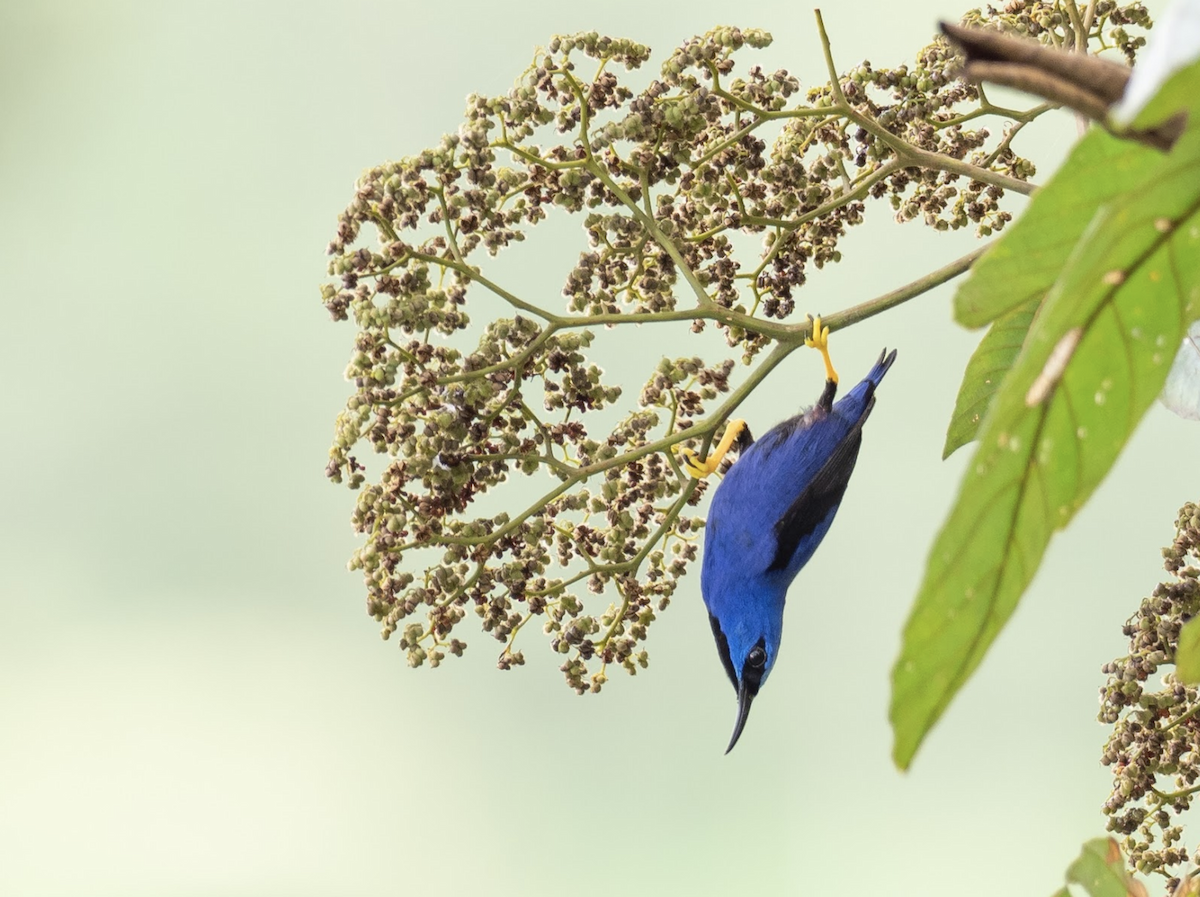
701 469
819 340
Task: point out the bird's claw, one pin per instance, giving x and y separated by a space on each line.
819 340
699 468
693 464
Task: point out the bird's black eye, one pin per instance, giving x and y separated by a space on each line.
757 658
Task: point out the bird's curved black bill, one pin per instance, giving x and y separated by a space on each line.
746 693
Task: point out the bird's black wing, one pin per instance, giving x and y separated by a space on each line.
819 497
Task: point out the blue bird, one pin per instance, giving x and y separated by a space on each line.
768 516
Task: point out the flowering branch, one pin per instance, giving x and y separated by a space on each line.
668 180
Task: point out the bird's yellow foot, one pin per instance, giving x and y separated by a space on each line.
819 340
702 468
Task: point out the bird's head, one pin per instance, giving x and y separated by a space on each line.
748 652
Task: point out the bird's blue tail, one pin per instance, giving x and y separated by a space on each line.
863 394
881 366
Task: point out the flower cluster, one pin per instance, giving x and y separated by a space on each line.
668 179
1154 749
1051 23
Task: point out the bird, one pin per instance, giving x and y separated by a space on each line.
769 514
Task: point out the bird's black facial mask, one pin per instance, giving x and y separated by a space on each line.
723 650
753 671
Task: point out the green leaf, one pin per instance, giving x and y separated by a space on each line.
1095 359
1178 92
1008 283
1187 654
1100 869
985 371
1061 892
1024 264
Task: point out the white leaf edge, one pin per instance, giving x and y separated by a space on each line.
1181 392
1174 44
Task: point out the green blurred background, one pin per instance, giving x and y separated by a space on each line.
192 699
